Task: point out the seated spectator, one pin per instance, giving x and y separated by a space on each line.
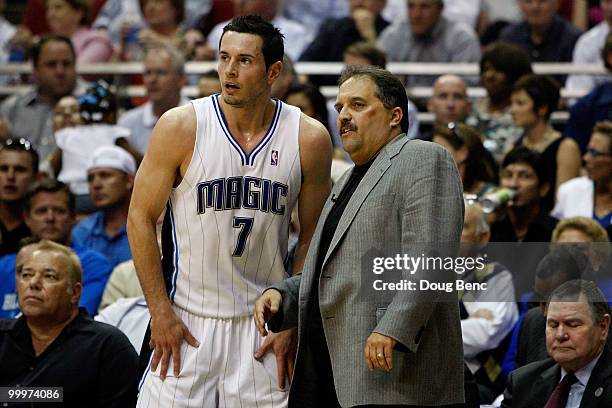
428 37
523 221
501 65
577 328
69 18
49 214
594 107
364 23
591 195
34 19
534 98
287 79
364 53
164 77
66 113
131 316
163 20
543 34
463 142
295 34
75 145
30 115
312 13
56 344
488 315
18 168
449 102
588 51
126 15
111 178
209 84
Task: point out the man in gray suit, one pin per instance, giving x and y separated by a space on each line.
353 350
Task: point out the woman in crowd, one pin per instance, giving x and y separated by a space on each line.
533 100
501 65
476 167
69 18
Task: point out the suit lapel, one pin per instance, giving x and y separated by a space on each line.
369 181
545 384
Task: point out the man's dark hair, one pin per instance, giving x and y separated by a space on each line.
567 260
22 145
40 44
571 291
368 51
524 155
273 47
48 185
542 89
389 89
316 98
508 58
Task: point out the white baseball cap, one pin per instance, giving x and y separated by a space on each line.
113 157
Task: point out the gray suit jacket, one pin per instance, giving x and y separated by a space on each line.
411 194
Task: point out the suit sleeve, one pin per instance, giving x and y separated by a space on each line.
507 401
287 316
433 216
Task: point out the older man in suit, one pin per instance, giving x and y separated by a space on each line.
579 372
353 350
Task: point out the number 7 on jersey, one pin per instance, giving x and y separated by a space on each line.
245 225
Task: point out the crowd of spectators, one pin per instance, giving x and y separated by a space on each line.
70 148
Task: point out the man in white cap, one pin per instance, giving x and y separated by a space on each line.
111 178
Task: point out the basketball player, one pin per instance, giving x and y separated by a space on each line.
229 168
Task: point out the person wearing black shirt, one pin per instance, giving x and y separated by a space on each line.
56 344
353 349
18 167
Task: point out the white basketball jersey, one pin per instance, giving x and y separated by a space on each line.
230 214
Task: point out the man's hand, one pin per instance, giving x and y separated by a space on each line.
378 352
167 334
265 307
284 346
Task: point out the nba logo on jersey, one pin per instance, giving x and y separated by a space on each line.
274 158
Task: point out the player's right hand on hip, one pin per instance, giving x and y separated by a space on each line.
167 334
266 306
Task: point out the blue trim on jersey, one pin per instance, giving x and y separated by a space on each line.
245 158
260 146
144 376
228 135
175 253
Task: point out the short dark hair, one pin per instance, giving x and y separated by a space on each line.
369 51
316 98
40 44
177 5
564 259
571 291
508 58
524 155
80 5
22 145
273 47
542 89
389 89
48 185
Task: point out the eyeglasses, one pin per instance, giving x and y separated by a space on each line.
596 153
18 144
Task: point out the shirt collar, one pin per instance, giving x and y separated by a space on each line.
584 373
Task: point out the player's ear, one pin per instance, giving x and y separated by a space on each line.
274 71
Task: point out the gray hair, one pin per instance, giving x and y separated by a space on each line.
177 58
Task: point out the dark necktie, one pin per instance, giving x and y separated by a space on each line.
558 398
